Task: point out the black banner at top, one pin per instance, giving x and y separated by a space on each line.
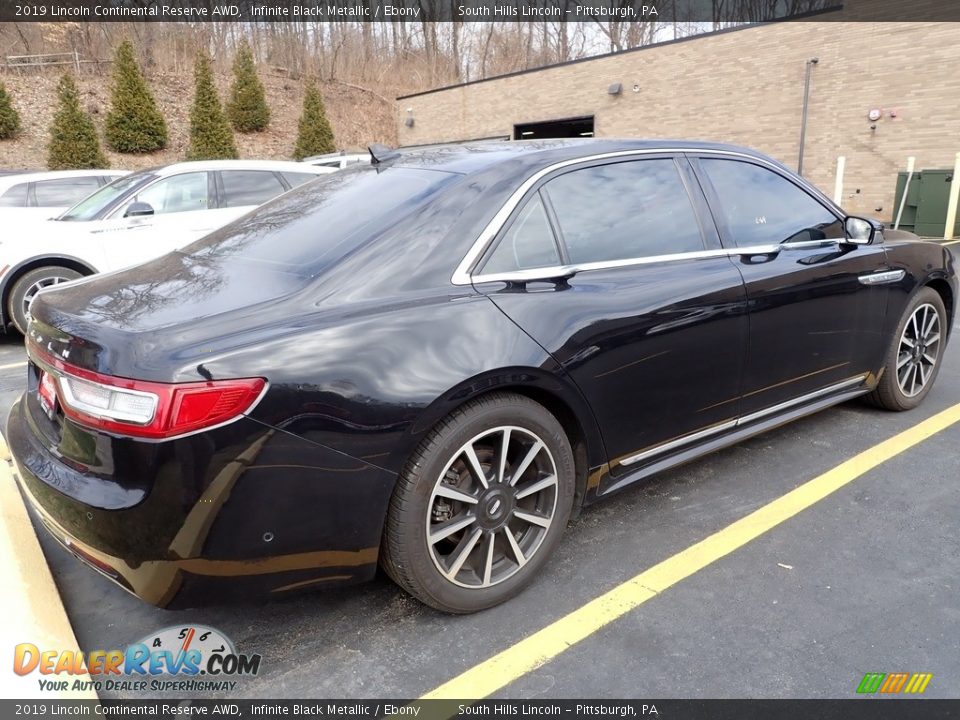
664 11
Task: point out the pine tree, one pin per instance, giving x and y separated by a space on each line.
9 117
247 107
134 124
211 137
73 137
314 134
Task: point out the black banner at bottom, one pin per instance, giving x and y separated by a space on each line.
865 708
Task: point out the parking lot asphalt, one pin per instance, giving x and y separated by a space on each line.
866 580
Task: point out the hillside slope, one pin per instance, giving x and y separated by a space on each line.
358 117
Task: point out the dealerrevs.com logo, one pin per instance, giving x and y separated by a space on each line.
177 659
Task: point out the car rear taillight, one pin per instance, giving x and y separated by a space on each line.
138 408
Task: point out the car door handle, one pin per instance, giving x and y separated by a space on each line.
758 253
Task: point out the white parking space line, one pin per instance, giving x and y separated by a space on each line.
13 365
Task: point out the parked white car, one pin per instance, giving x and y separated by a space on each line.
42 195
338 160
134 219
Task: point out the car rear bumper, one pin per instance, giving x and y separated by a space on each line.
280 513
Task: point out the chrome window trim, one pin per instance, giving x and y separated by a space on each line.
462 274
558 271
745 419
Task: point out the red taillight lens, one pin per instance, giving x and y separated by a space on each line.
144 409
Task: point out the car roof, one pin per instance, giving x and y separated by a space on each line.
269 165
336 156
466 158
22 176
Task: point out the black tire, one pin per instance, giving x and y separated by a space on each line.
893 392
26 283
441 464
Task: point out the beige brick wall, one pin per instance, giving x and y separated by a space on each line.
746 87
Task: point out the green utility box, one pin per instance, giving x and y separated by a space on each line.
925 212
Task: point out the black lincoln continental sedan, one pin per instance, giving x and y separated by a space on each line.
431 363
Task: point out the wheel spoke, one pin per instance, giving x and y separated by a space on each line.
525 463
462 552
933 339
929 318
929 358
908 342
488 560
476 469
517 552
923 374
913 323
913 382
536 487
452 493
445 530
504 446
532 518
904 359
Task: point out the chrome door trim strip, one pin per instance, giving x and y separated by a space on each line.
672 444
882 278
774 409
731 424
802 244
462 273
559 271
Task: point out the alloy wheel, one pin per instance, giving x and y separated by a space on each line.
39 285
919 350
491 507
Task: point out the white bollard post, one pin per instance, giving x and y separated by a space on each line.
952 205
838 182
903 199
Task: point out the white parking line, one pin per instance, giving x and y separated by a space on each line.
13 365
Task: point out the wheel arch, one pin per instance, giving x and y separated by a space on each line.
554 392
25 266
942 287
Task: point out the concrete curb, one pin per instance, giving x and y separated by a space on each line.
31 609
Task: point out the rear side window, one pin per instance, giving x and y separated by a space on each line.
624 210
15 196
296 179
249 187
528 243
759 206
64 191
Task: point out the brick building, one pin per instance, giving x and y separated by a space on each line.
744 86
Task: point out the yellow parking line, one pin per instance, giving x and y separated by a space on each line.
13 365
542 646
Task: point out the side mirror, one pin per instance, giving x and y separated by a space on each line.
138 209
859 231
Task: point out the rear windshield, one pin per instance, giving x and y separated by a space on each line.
308 229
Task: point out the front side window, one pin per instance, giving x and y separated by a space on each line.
528 243
179 193
64 191
15 196
760 207
624 210
249 187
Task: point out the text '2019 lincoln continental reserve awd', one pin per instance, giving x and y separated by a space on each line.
431 362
